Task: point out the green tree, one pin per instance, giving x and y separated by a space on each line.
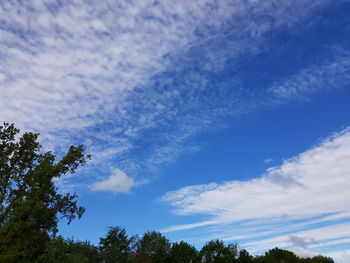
30 206
320 259
60 250
183 253
116 247
153 247
56 251
83 252
245 257
215 251
277 255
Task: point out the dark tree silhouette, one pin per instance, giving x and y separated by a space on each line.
116 247
216 251
30 206
153 247
183 252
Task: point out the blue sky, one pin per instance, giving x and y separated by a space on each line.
206 119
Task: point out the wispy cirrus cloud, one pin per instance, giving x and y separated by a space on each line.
115 75
308 210
331 73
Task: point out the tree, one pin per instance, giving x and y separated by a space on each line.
245 257
82 252
56 251
30 206
277 255
116 247
60 250
320 259
215 251
153 247
183 253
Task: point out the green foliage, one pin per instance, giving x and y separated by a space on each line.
30 206
81 252
153 247
215 251
56 251
120 249
318 259
116 247
277 255
245 257
60 250
183 253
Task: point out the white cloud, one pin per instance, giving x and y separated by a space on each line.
306 175
303 202
328 236
188 226
329 74
118 182
268 160
81 72
341 257
300 241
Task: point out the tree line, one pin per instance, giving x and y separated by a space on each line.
31 207
153 247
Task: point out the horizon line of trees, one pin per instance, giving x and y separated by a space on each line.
153 247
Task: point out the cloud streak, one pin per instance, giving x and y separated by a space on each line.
307 210
331 73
